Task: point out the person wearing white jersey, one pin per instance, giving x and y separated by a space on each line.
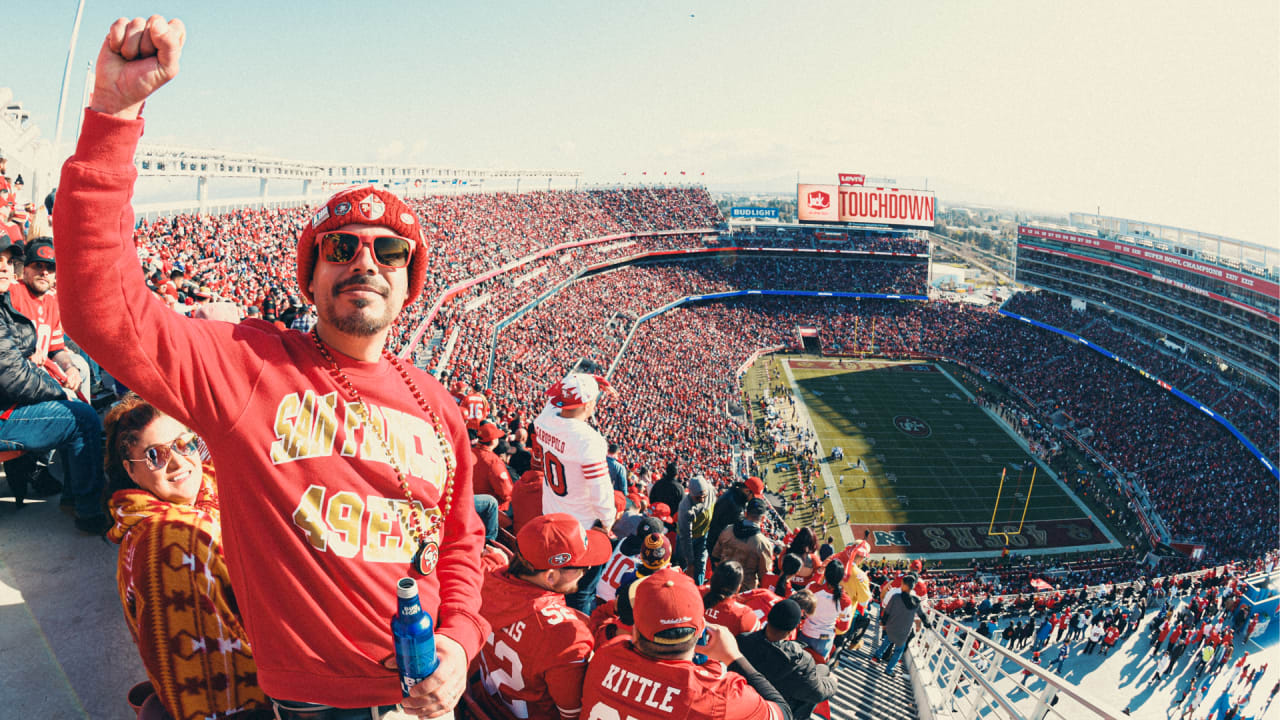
624 560
575 466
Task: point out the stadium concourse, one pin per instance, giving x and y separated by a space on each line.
523 287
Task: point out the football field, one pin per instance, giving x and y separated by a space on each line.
922 463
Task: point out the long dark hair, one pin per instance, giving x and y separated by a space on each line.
804 542
726 581
791 564
833 576
122 425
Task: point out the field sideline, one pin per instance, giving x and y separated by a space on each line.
922 462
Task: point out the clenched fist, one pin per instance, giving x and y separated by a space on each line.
137 57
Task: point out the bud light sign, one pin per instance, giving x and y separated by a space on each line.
753 213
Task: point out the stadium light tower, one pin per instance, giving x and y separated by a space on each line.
66 80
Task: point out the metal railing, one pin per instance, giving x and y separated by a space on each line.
958 673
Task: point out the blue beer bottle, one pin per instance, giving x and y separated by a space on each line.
414 634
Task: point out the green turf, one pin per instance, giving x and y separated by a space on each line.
951 476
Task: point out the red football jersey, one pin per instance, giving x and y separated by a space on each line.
535 664
475 409
622 684
734 615
761 601
43 311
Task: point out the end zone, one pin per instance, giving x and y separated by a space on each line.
950 540
940 540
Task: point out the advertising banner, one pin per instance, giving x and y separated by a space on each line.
1248 282
853 179
753 213
865 205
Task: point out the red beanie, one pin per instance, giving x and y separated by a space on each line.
363 206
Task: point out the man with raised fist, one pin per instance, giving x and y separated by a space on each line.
340 468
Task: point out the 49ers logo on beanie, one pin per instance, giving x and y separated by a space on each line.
372 207
363 205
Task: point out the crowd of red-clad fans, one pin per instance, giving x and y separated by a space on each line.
575 279
1253 409
681 365
824 239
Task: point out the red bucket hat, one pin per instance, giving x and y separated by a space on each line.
363 206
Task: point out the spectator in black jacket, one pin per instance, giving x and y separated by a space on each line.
785 663
35 414
668 489
729 507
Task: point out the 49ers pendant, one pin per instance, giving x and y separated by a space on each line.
425 560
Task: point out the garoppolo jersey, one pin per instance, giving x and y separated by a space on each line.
575 469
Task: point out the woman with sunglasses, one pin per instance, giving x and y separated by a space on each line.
167 525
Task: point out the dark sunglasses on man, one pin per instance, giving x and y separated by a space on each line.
389 251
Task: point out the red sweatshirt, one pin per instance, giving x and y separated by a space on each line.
313 541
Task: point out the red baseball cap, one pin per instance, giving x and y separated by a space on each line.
666 600
489 432
660 511
558 540
861 550
755 486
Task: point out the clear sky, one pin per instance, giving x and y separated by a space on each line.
1164 111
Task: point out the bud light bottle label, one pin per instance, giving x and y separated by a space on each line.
413 633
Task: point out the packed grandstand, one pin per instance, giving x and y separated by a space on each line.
566 275
523 287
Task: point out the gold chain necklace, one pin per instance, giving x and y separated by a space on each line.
428 553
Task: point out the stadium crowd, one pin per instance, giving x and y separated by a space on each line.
543 636
677 374
1247 338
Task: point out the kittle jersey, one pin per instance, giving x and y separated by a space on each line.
622 684
475 408
575 470
533 661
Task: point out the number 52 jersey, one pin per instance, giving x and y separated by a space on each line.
536 656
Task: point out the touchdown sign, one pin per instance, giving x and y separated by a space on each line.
866 205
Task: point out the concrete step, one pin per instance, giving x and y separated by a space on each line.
866 693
